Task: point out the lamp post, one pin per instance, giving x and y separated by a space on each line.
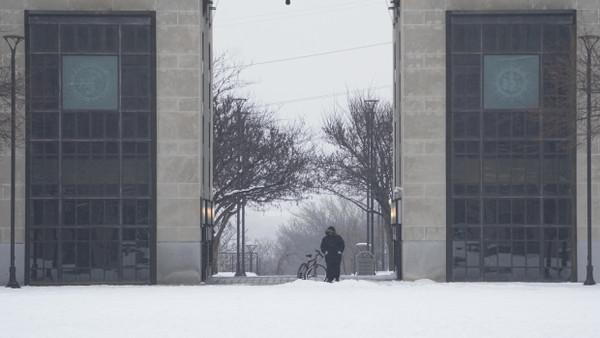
589 42
251 248
239 264
207 238
370 177
12 41
396 219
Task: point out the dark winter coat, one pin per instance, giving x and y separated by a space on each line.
332 244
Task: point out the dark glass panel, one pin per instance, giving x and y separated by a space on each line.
518 124
564 234
517 37
97 214
129 128
97 125
532 125
129 212
490 234
466 38
473 275
491 254
518 233
44 81
43 38
69 254
89 38
143 127
83 254
83 125
504 253
473 211
473 253
69 125
473 125
557 38
142 212
490 124
533 211
518 254
44 125
135 39
550 211
518 211
69 213
98 254
83 212
459 211
490 211
504 124
104 38
112 125
111 215
466 78
533 253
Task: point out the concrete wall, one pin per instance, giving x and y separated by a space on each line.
181 69
420 78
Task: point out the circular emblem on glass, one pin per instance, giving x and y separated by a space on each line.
511 83
90 82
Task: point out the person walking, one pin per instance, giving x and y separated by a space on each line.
332 246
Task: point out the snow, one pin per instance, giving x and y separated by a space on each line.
349 308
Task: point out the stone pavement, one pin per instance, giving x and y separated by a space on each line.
274 280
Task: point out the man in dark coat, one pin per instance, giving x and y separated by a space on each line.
332 246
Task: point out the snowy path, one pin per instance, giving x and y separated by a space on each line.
304 309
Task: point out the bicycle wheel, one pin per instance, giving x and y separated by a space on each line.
302 271
316 272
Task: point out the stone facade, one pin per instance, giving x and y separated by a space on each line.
420 97
184 119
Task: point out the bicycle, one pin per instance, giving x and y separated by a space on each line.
312 270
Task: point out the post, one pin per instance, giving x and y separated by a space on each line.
370 121
243 245
240 264
12 41
251 248
396 222
589 41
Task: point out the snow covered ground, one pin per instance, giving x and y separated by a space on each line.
304 309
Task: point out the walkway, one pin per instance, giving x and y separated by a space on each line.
274 280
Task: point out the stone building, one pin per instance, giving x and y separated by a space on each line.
493 183
113 177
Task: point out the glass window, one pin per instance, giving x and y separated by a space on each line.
512 97
86 186
90 82
511 81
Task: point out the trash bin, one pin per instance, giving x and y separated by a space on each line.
365 263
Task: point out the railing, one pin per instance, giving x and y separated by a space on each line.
227 262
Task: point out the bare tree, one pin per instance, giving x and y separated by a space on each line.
582 88
258 161
5 105
565 78
303 234
362 156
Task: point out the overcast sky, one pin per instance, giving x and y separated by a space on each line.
306 57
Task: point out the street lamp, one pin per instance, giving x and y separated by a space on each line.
589 42
13 41
251 248
239 264
207 238
370 175
396 219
